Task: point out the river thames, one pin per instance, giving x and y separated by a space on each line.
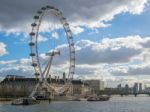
115 104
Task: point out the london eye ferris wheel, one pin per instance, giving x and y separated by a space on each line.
41 70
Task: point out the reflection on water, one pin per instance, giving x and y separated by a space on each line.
116 104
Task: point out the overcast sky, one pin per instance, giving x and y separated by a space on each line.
111 37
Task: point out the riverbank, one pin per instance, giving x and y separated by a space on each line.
6 99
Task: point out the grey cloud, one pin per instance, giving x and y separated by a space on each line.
146 44
83 70
106 54
88 52
90 57
133 71
17 70
17 14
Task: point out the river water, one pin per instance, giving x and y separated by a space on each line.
115 104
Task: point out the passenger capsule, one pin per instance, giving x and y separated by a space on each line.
73 65
33 24
32 54
34 64
72 44
31 44
72 72
50 7
36 17
32 34
37 74
43 8
70 37
72 51
63 18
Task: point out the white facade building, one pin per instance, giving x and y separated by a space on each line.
95 85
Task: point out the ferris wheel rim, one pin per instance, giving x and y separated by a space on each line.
34 40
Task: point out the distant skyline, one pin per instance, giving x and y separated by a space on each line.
112 38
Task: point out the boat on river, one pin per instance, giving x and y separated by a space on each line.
25 101
98 98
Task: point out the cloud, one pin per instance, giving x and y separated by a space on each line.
107 51
20 67
132 70
17 15
42 38
91 56
3 50
55 35
86 70
146 43
20 70
114 60
119 50
8 62
76 30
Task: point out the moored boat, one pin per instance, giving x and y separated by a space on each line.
25 101
98 98
41 97
104 98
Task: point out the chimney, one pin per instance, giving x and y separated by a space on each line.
64 76
56 78
50 78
